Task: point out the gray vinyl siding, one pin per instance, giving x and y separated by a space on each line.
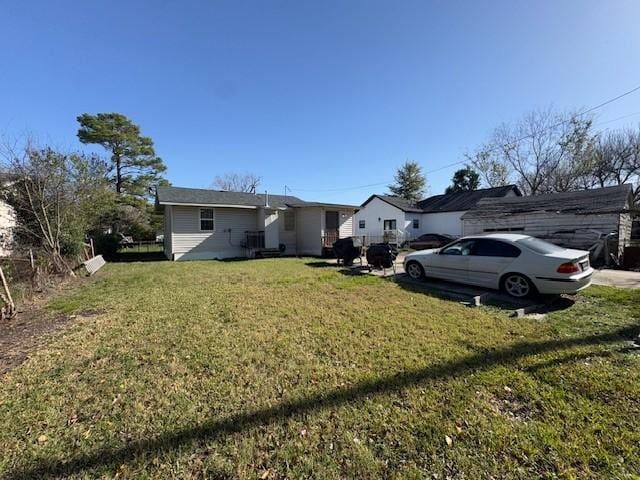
225 241
288 238
168 233
346 224
309 227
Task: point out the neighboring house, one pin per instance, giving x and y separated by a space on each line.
207 224
7 224
579 219
393 219
7 218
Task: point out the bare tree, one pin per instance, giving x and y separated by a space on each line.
492 172
616 160
543 152
236 182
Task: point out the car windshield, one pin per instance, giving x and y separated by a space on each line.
540 246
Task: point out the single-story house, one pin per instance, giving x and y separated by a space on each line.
8 219
395 219
578 219
207 224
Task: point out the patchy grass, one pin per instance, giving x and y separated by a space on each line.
275 369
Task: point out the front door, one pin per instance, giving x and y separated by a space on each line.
390 232
331 226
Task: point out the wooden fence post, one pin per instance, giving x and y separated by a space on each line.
33 265
10 309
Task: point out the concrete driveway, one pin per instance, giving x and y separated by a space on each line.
611 278
617 278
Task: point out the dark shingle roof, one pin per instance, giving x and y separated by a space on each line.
460 201
397 202
447 202
597 200
200 196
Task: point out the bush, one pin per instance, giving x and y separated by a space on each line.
106 244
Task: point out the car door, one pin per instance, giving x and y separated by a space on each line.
451 263
489 259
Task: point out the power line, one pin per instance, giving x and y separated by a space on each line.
584 112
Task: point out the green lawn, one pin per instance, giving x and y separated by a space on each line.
276 369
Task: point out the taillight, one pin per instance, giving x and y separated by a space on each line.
568 267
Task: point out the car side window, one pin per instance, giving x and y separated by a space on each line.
462 247
494 248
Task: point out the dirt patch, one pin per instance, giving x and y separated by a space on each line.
507 405
22 335
33 324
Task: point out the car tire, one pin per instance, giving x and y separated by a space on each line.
414 270
517 285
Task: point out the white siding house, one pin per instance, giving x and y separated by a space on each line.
7 224
206 224
393 219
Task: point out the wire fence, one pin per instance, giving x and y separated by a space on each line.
143 246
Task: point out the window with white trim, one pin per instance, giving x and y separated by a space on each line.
206 220
289 221
416 223
361 224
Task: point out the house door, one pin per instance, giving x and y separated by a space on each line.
331 225
389 225
390 234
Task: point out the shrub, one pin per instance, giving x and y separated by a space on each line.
106 244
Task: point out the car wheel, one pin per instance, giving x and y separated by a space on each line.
518 286
415 270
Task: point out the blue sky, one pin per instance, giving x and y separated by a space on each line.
313 95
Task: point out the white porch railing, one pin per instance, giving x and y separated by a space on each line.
392 237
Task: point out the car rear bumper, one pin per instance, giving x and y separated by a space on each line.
557 285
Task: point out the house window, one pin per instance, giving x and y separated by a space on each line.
416 223
206 220
390 224
289 221
361 224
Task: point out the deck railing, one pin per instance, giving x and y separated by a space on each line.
329 238
392 237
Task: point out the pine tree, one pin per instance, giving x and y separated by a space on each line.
134 163
410 183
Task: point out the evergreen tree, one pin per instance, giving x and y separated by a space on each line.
134 165
410 183
464 180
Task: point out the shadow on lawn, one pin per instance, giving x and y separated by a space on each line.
126 257
321 264
215 428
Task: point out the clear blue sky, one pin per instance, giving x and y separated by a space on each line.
313 95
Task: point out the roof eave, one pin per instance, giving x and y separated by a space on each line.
203 204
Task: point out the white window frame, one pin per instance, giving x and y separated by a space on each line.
212 219
415 223
292 216
362 224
